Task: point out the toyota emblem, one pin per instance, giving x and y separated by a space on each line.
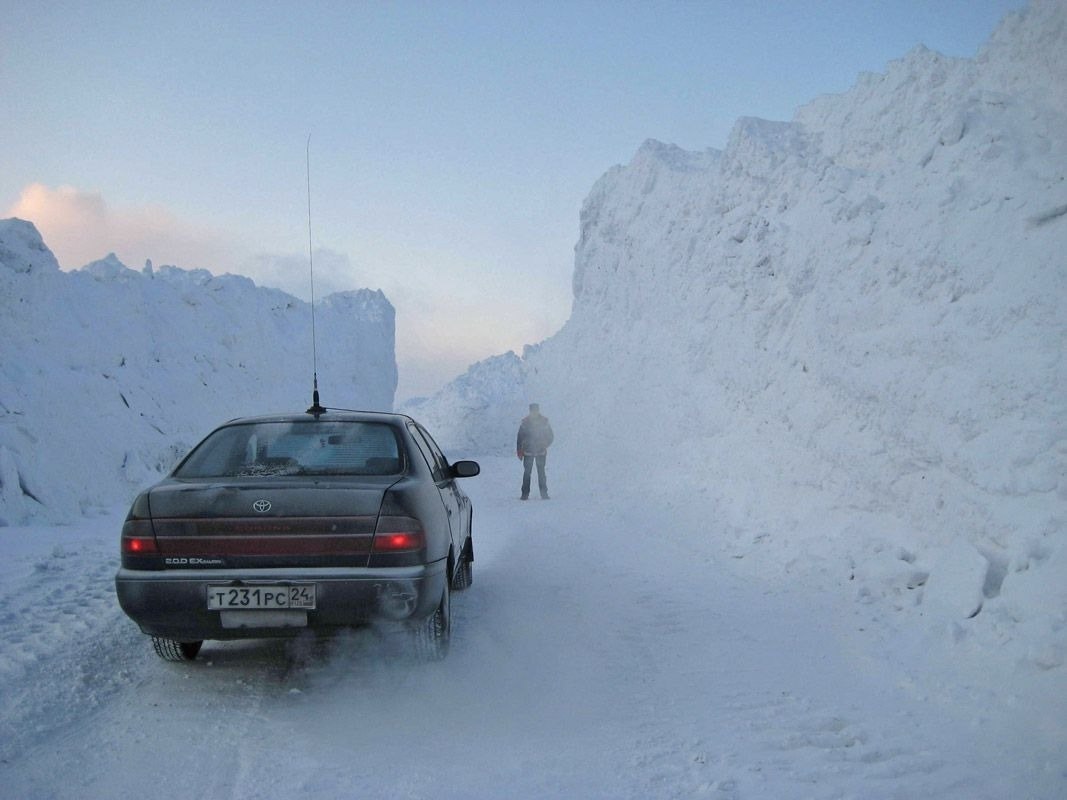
261 506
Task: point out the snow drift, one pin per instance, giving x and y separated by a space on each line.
109 375
476 412
837 345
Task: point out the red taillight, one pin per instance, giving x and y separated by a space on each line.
139 545
397 534
138 538
394 542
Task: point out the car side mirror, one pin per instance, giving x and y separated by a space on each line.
465 469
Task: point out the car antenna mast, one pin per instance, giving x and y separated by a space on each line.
315 409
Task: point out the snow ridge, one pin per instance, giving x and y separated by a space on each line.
109 375
838 344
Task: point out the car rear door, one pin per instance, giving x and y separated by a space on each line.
446 484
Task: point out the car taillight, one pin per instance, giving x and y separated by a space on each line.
139 547
138 537
394 542
398 541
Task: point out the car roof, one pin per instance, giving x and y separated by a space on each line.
330 415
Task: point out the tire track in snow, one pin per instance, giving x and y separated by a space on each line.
676 636
84 702
591 658
66 645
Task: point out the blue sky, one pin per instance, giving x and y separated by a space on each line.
452 143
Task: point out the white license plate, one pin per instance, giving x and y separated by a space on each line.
260 596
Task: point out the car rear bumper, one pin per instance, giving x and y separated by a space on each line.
174 604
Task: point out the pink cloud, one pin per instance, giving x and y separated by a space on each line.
79 227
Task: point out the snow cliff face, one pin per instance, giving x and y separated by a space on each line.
109 375
841 340
875 291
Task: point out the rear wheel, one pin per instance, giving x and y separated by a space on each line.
170 650
431 635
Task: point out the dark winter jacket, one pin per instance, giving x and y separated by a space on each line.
535 435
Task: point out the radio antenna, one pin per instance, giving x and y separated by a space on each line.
315 409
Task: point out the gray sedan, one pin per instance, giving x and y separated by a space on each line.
278 524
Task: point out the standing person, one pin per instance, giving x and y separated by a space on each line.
535 435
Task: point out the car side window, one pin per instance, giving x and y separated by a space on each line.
424 449
438 462
437 452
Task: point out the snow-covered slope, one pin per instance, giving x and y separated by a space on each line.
838 345
475 413
108 375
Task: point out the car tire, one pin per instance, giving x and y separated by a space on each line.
171 650
431 635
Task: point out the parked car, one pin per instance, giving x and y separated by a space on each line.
278 524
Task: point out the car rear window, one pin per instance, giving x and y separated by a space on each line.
295 448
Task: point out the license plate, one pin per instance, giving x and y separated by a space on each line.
261 596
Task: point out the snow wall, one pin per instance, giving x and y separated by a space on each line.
839 343
109 375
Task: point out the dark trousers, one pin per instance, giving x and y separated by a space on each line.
542 480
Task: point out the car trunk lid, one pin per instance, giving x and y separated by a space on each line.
265 523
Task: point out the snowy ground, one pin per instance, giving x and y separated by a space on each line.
592 658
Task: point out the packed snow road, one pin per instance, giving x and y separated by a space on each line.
594 657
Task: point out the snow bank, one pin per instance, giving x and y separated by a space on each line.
475 413
836 347
108 375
